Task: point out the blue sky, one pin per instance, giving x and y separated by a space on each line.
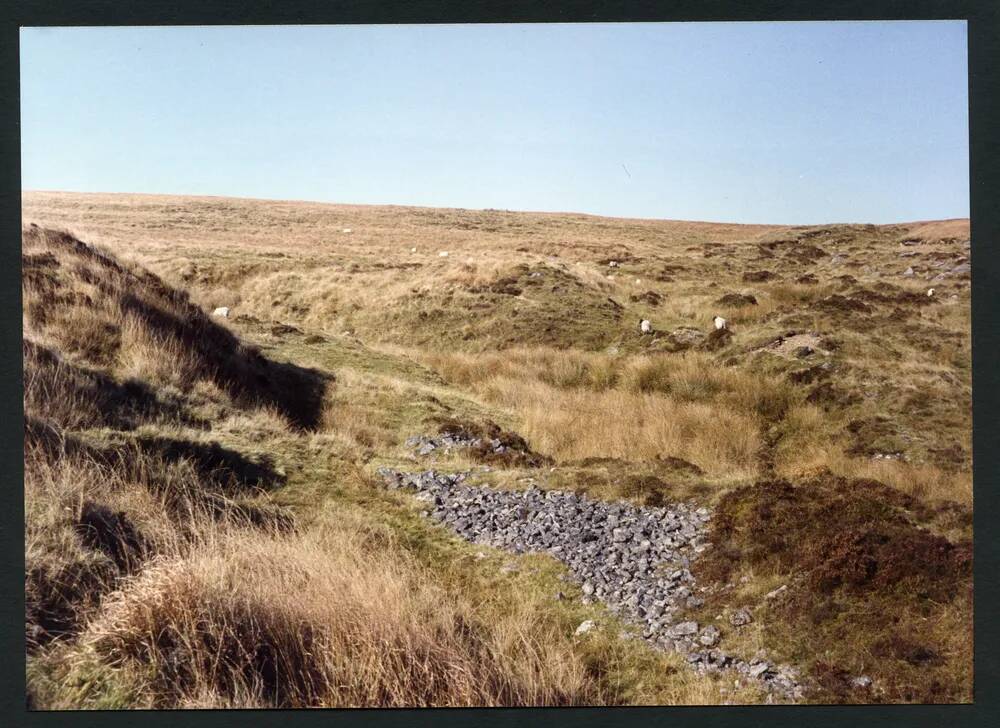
744 122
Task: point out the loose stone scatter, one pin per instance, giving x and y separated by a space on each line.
425 445
634 560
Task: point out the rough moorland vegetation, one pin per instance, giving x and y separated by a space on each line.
205 524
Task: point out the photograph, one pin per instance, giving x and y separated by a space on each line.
496 365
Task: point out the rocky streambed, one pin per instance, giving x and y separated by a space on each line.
634 560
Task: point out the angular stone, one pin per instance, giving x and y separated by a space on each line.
710 636
683 629
635 560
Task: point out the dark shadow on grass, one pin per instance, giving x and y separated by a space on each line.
91 395
220 470
241 370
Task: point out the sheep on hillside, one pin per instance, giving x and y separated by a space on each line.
720 323
645 327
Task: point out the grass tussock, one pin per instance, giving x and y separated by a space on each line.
324 621
94 514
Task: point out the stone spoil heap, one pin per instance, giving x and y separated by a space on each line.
634 560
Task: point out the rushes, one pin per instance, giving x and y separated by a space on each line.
575 405
573 425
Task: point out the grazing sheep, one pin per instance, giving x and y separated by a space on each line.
222 311
443 254
347 230
720 323
645 327
930 292
612 264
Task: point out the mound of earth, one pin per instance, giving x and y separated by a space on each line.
759 276
796 345
651 298
544 306
836 303
485 441
716 339
737 299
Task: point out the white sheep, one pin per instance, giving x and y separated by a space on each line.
720 323
930 292
645 327
222 311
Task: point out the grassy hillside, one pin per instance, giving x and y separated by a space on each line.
212 479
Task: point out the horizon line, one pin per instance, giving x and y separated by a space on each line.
491 209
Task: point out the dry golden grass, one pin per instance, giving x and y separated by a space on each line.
574 425
225 614
158 574
326 619
525 323
574 405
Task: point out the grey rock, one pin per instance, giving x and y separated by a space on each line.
710 636
684 629
777 592
740 617
634 560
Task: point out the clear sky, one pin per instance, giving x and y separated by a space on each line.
744 122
